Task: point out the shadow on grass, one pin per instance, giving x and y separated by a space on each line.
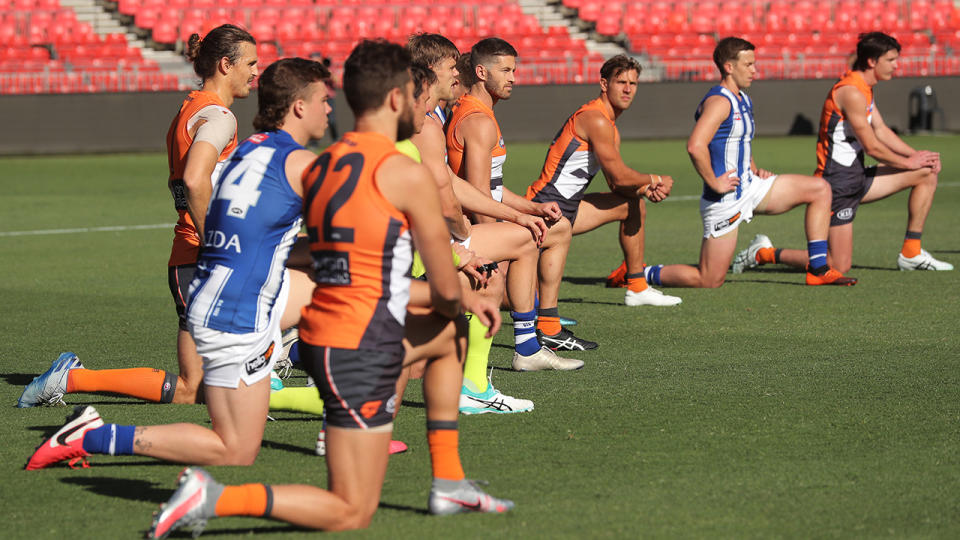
414 404
768 281
123 488
585 280
403 508
243 531
273 445
18 379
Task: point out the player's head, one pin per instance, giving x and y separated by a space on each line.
376 75
439 54
465 76
877 51
294 87
494 63
424 80
618 80
228 51
735 58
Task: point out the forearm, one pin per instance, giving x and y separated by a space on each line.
519 203
453 213
198 199
701 163
894 142
478 203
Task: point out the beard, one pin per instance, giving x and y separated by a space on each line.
405 125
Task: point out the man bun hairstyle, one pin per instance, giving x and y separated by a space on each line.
222 41
373 69
282 83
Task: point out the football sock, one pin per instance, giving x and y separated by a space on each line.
245 500
548 321
145 383
112 439
443 438
525 333
911 244
767 255
294 354
636 282
817 252
652 274
478 353
300 399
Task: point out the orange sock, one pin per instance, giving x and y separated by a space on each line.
245 500
144 383
443 439
636 282
767 255
911 247
550 326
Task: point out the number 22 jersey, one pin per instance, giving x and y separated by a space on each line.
361 250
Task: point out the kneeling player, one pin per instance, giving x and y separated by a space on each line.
240 291
364 203
734 188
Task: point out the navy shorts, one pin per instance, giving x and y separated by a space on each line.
849 185
179 278
358 386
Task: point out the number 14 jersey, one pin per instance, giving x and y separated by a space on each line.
252 221
361 250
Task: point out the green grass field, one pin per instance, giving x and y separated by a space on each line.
763 409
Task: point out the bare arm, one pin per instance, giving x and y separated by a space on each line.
201 162
600 134
430 142
715 110
411 189
901 156
479 138
479 203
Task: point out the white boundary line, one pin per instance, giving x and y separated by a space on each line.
118 228
123 228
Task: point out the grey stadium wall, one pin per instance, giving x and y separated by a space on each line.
133 122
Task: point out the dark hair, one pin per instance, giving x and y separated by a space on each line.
871 46
222 41
373 69
430 49
467 74
486 50
728 49
282 83
423 77
617 65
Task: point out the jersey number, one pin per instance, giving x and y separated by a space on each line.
240 187
330 266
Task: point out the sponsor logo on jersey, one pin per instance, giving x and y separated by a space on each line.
260 361
331 267
219 240
258 138
501 142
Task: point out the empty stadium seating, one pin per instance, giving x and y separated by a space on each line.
795 38
47 50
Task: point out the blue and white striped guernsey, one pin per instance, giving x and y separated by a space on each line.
730 146
251 224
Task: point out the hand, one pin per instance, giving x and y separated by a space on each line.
659 189
549 210
486 311
727 182
534 224
924 158
763 174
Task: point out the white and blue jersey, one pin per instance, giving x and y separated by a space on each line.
252 222
730 146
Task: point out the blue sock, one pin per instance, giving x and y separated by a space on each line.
817 251
112 439
295 353
525 332
652 274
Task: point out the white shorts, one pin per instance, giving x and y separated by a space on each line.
720 218
231 358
